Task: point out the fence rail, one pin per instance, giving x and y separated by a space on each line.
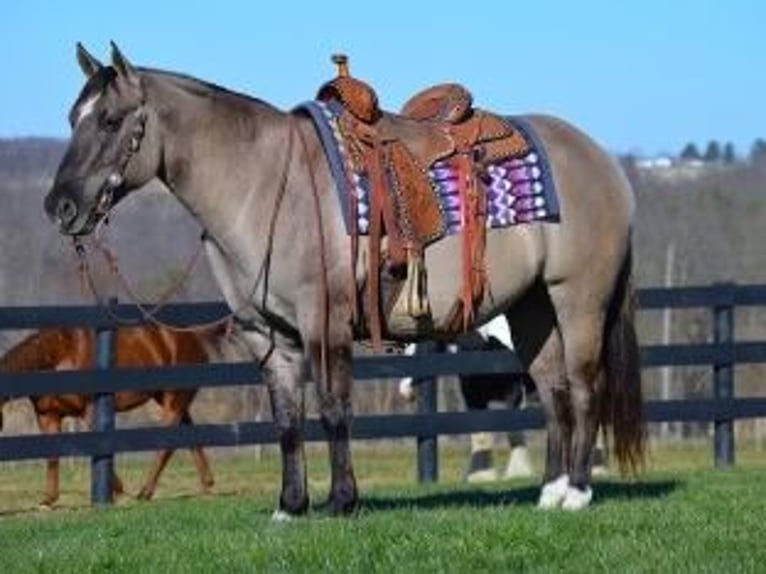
426 425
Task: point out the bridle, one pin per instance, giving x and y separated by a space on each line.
149 314
113 183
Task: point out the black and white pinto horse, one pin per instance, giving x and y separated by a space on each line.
480 392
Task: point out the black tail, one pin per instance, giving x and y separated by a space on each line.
623 404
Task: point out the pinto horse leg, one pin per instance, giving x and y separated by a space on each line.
518 460
50 424
481 466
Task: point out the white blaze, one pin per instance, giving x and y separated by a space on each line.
86 108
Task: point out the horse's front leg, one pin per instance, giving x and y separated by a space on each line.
334 384
285 376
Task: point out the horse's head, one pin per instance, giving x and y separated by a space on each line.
114 148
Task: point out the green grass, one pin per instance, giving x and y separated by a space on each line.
680 516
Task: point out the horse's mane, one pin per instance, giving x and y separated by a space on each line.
39 351
200 87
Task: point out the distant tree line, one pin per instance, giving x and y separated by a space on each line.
726 153
22 158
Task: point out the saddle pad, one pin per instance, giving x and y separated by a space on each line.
519 189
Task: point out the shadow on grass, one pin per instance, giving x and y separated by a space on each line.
462 496
479 497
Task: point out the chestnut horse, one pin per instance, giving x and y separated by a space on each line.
257 179
74 349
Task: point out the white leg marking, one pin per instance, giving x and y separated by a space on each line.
518 463
406 390
577 499
553 493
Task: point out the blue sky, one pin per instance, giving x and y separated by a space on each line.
643 76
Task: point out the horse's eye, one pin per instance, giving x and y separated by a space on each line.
110 123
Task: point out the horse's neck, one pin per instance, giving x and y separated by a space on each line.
223 155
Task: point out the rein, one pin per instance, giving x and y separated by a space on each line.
148 313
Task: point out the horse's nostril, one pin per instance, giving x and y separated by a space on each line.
66 210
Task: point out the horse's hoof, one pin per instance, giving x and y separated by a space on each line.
144 494
45 505
553 493
344 500
577 499
482 476
343 507
293 503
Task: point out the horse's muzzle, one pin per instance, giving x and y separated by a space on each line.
65 212
60 208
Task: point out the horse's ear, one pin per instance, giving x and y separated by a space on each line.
88 64
121 64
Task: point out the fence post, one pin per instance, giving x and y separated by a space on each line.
428 447
723 380
102 465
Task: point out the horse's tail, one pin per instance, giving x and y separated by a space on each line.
622 408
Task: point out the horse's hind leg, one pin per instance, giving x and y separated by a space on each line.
50 424
582 332
170 417
539 346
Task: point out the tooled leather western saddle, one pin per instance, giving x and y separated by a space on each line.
395 152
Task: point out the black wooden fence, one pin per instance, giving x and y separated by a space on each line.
101 444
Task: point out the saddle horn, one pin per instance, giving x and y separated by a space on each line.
341 60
